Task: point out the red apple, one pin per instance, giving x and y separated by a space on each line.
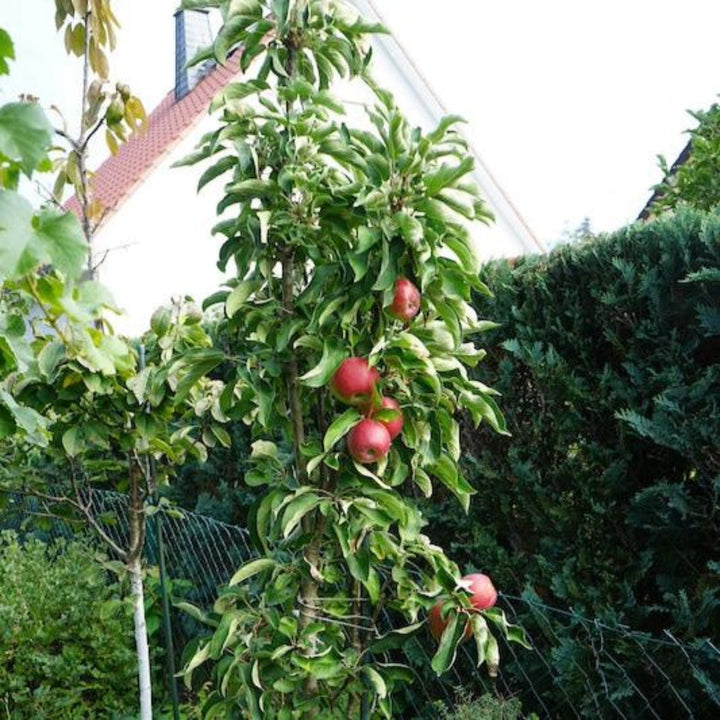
406 300
368 442
354 381
438 624
483 592
394 427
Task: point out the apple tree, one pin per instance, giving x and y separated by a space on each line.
351 327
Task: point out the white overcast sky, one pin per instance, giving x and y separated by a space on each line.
569 101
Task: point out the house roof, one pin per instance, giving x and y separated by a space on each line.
659 191
120 174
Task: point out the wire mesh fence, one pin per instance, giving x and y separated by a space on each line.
577 668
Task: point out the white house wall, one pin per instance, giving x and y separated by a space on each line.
158 242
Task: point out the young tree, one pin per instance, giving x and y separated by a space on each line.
70 390
350 317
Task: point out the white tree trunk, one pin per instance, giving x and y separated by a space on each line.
141 640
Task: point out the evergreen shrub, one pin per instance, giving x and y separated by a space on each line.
605 498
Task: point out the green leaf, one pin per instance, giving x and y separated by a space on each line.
447 650
198 659
214 171
50 357
61 240
333 354
252 568
16 216
411 229
492 655
443 126
484 408
248 189
72 441
7 52
446 175
358 562
446 470
388 270
296 511
25 134
27 241
264 449
26 418
480 633
239 296
375 680
340 426
196 364
514 633
229 36
394 639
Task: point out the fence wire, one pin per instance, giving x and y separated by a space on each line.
577 667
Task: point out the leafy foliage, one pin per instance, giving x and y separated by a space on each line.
320 220
64 635
605 497
485 707
695 178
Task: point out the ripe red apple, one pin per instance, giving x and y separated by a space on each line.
483 596
483 592
406 300
368 442
438 624
354 381
394 427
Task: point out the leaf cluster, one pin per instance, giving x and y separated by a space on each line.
693 179
64 634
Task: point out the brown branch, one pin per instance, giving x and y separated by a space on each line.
92 132
291 367
86 510
64 134
50 319
136 512
81 150
78 505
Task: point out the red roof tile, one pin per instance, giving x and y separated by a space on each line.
120 174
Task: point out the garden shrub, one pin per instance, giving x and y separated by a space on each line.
66 646
485 707
605 498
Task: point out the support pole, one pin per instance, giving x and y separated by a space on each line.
164 598
167 626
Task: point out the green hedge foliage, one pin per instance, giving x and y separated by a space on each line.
605 498
66 645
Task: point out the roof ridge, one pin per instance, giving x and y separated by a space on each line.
168 124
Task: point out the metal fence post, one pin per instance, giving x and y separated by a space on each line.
165 600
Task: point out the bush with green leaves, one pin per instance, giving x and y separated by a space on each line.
694 178
485 707
605 498
65 635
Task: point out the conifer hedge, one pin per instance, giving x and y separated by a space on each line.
605 498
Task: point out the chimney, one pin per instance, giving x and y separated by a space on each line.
192 34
